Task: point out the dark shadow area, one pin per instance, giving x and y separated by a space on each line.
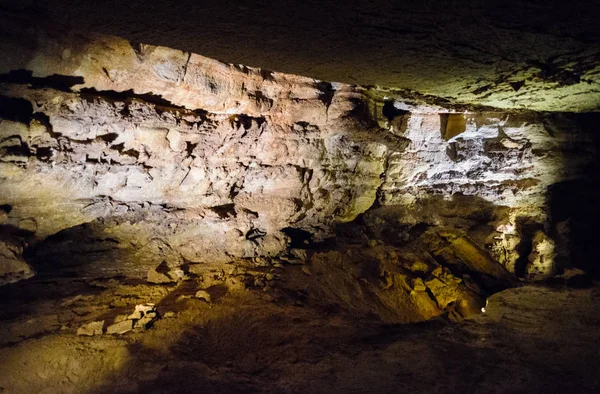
526 228
63 83
128 95
15 109
471 214
390 112
85 251
575 214
225 211
574 204
326 92
271 349
125 95
298 238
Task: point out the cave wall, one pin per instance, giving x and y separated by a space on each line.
501 178
183 159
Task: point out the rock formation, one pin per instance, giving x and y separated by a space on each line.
525 54
169 221
180 162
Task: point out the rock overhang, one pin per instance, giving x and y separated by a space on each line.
526 56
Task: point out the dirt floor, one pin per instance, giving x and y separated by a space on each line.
530 339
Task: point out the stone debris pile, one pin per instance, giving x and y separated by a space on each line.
142 318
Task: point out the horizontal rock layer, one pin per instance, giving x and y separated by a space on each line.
534 55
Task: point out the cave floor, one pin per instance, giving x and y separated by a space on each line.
531 339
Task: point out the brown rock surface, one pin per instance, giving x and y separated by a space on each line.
333 230
243 343
174 157
13 267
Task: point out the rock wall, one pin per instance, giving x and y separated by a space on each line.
183 159
197 160
497 176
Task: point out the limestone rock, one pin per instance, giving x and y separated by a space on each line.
575 277
120 328
300 254
141 310
158 278
541 264
146 320
443 286
91 329
503 248
379 281
203 295
13 267
143 315
462 254
228 162
164 274
163 178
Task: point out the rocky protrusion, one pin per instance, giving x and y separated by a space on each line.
142 317
121 327
541 261
13 267
164 274
203 295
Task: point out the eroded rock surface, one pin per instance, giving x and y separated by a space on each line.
169 158
271 232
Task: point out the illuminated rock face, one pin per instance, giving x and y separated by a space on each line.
190 158
183 159
506 179
214 186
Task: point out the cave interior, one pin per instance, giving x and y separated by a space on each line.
292 197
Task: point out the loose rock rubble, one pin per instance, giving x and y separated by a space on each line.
91 329
142 318
203 295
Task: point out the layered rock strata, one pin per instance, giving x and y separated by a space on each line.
178 159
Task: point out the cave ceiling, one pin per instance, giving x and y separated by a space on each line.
542 56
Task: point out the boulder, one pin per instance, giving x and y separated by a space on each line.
120 328
203 295
13 267
91 329
164 274
144 315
